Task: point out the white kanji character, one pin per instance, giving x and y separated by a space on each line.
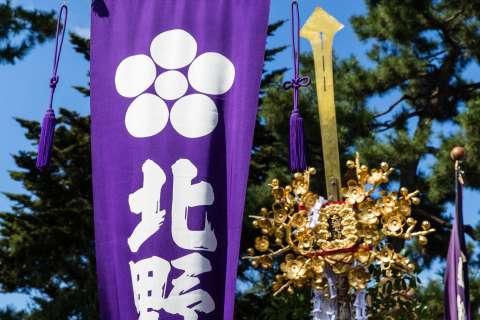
461 260
186 195
461 312
149 279
147 202
181 300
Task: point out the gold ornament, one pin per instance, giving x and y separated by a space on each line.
346 237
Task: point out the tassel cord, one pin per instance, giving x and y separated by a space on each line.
60 36
297 81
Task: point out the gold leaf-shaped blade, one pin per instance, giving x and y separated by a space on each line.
320 30
320 21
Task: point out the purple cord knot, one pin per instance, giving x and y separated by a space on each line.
297 82
54 82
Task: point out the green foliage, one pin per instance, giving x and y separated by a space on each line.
46 240
11 314
259 306
393 298
47 245
428 302
82 46
22 29
420 50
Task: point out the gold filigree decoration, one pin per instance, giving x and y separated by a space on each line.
304 239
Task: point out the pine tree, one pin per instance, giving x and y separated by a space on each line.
47 240
21 29
421 50
47 247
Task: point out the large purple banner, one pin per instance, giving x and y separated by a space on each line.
174 94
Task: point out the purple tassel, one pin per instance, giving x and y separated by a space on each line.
297 161
46 139
297 148
48 126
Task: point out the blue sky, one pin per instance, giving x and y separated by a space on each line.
24 87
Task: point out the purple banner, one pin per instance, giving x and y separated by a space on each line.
457 299
174 95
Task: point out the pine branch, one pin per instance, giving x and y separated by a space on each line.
22 29
271 53
80 45
391 107
387 125
454 16
471 86
274 27
434 55
443 223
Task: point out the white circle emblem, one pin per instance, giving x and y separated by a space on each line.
173 49
211 73
146 116
171 85
194 116
134 75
